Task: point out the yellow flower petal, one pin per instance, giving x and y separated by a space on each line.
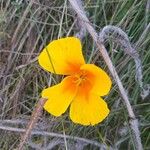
98 78
63 56
59 97
88 110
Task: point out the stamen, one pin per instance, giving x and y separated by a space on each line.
80 78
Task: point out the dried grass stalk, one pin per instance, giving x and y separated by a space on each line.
133 121
34 118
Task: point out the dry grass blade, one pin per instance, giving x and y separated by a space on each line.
133 121
44 133
147 11
34 118
121 38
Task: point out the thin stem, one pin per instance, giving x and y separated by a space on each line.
52 134
34 118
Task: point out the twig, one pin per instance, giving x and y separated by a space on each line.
147 11
82 31
79 24
28 63
44 133
34 118
19 53
133 121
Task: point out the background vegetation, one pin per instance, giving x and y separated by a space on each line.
26 26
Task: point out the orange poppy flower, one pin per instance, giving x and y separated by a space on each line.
82 86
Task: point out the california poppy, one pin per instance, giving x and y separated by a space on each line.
82 86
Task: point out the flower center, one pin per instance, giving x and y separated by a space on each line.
80 78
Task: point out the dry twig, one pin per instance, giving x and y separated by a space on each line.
34 118
133 121
147 12
44 133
